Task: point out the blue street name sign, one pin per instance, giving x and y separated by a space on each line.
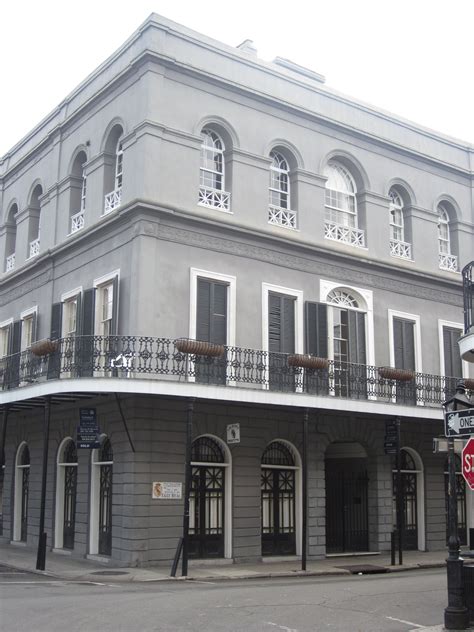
459 423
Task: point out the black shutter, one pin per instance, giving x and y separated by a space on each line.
54 359
115 306
211 312
281 323
404 343
316 329
13 368
452 357
78 313
34 326
274 323
288 324
203 310
87 319
357 353
85 344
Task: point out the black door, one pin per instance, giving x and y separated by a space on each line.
404 348
206 501
281 341
409 501
70 485
347 528
105 498
211 326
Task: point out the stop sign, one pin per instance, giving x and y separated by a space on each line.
468 463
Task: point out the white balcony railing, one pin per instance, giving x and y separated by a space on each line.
113 200
214 198
34 248
448 262
344 234
281 217
77 222
400 249
10 263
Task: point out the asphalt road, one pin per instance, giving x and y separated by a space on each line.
397 602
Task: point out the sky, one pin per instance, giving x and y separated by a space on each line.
414 58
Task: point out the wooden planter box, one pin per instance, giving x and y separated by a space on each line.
199 347
307 361
391 373
469 383
43 347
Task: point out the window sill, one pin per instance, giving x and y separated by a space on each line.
215 208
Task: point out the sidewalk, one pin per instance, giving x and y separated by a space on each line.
64 567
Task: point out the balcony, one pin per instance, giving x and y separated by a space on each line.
214 198
138 358
400 249
344 234
77 222
113 200
34 248
448 262
10 264
281 217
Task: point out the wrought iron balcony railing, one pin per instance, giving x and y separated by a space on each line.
141 357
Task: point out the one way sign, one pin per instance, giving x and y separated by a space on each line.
459 423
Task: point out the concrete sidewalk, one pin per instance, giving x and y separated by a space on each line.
64 567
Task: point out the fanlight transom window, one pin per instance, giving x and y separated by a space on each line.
279 181
340 298
212 160
341 204
396 216
277 453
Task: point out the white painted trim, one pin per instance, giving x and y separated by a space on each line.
71 294
228 519
448 323
298 488
197 273
6 323
59 500
420 496
106 278
17 501
414 318
94 500
364 296
28 312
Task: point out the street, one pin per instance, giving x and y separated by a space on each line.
396 602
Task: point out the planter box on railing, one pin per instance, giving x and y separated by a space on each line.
199 347
391 373
43 347
307 361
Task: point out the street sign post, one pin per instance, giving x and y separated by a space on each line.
459 423
468 463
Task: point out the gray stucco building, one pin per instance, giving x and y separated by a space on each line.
189 190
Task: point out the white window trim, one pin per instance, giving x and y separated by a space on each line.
71 294
453 325
18 490
3 325
27 313
420 495
299 313
325 287
414 318
231 281
106 278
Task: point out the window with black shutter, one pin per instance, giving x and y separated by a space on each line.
281 340
452 356
211 326
404 355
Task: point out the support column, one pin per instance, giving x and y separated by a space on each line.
41 556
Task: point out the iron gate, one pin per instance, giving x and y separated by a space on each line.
206 513
105 499
278 512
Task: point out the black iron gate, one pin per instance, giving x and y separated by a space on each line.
70 485
347 523
409 500
105 499
278 512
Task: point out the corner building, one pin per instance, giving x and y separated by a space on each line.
187 190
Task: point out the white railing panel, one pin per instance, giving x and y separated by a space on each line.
344 234
77 222
10 263
400 249
281 217
34 248
448 262
213 198
113 200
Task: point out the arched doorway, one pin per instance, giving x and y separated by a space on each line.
66 485
22 485
461 502
347 513
279 493
412 499
209 508
101 498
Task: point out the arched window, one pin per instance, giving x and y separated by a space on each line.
278 503
22 486
412 499
279 193
101 498
66 486
10 236
113 173
398 244
447 261
212 172
78 193
34 209
341 206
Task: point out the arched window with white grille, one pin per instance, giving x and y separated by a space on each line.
341 222
280 212
113 172
447 260
212 191
399 247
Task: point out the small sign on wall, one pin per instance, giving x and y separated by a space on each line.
166 490
88 432
233 433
